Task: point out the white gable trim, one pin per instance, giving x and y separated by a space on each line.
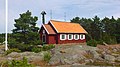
54 26
45 29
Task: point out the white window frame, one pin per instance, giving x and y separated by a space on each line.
71 36
75 36
61 36
82 38
45 37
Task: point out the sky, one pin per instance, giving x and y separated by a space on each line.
58 10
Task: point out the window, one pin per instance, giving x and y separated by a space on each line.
43 38
82 36
76 36
70 36
62 36
43 31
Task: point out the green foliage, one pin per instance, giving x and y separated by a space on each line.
23 47
47 56
92 43
43 48
12 50
36 49
25 30
20 63
13 43
25 35
109 39
2 38
100 42
48 47
105 30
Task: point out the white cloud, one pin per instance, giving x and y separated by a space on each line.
82 8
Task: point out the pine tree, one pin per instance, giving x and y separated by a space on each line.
25 28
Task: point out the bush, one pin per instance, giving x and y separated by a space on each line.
92 43
109 39
51 46
100 42
36 49
17 63
25 47
47 56
48 47
43 48
12 50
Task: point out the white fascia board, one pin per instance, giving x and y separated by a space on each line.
54 27
46 29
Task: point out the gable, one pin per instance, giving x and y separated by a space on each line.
48 29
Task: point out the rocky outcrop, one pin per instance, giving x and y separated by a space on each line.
109 58
71 55
31 56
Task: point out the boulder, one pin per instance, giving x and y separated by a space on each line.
31 56
54 60
109 58
95 55
118 59
14 55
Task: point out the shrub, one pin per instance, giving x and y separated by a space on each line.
36 49
51 46
92 43
100 42
48 47
20 63
12 50
43 48
109 39
47 56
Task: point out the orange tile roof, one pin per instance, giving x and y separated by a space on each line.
67 27
49 29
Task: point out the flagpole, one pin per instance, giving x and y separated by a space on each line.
6 17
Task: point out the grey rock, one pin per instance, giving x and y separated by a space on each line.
14 55
95 55
118 58
109 58
54 60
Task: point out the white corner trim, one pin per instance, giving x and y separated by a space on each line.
61 36
46 29
71 36
54 27
77 35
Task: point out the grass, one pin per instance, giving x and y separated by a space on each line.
12 50
47 56
88 56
